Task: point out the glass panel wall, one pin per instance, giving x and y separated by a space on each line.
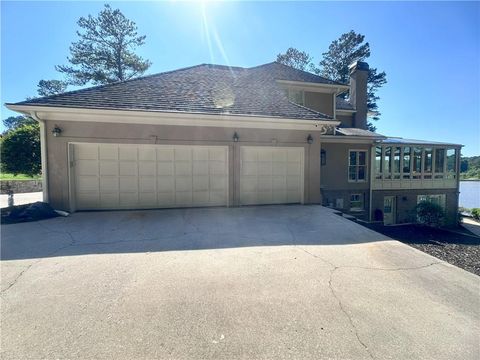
407 162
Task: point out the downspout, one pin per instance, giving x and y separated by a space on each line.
43 154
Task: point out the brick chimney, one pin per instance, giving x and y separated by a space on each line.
358 92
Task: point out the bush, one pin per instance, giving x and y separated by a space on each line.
20 150
476 213
430 214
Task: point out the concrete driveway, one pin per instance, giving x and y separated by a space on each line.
271 282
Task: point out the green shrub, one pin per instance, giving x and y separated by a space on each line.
20 150
430 214
475 213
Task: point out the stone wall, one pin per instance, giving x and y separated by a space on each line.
20 186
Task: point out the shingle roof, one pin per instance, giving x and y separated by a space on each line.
358 132
343 104
206 88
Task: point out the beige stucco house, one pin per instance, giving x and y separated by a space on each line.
212 135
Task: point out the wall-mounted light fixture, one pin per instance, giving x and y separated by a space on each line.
310 139
235 137
56 131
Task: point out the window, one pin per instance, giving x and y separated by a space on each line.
323 157
387 156
357 166
396 163
439 163
356 202
417 162
296 96
378 162
427 164
407 162
438 199
451 163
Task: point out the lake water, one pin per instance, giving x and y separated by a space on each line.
470 194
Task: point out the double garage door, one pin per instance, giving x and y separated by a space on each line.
120 176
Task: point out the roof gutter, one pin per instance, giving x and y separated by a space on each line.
43 153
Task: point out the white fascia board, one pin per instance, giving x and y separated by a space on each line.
170 118
347 139
316 87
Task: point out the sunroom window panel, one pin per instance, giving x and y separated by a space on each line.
378 162
451 163
396 163
439 163
427 168
417 162
407 162
387 154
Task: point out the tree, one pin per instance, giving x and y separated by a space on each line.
297 59
348 48
104 53
13 122
20 150
51 87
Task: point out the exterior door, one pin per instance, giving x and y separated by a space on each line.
133 176
271 175
389 211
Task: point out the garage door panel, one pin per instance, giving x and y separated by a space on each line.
147 184
86 152
184 154
128 183
183 168
148 153
165 168
165 183
108 152
113 176
146 168
86 167
127 153
128 168
165 154
271 175
87 183
108 167
109 184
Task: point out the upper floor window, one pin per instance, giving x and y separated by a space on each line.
296 96
357 165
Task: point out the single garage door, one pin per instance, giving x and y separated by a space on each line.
118 176
271 175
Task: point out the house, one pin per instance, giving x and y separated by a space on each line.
212 135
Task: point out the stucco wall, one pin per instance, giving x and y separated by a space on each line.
319 102
406 200
57 148
334 180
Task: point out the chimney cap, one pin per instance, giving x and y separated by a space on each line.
358 65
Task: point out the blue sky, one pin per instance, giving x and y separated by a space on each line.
429 50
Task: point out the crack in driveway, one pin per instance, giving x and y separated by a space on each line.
334 268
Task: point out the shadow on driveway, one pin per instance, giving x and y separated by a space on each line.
181 229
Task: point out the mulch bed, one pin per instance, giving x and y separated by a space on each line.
459 249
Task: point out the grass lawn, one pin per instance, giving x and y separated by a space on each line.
7 176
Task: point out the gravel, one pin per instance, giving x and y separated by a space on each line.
458 247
